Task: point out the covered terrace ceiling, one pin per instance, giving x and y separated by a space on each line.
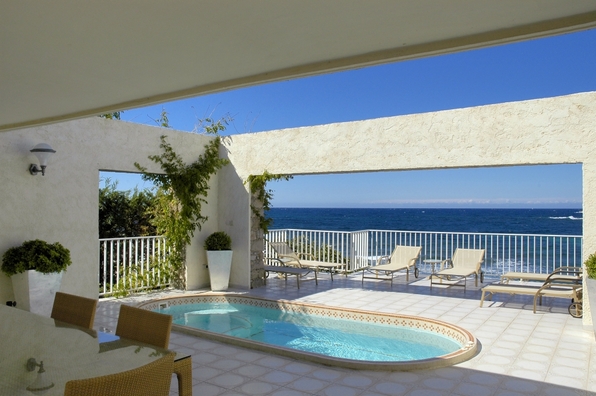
65 59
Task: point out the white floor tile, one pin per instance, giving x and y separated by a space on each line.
522 353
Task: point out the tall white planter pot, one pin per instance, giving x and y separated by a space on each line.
591 285
220 265
35 292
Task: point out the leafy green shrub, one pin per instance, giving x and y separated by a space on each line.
36 255
318 251
140 277
218 241
591 266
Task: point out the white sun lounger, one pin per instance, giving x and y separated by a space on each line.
289 258
285 271
465 262
402 258
569 273
558 287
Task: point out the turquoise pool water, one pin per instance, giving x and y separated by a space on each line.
340 338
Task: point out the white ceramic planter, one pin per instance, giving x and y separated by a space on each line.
591 286
35 292
220 264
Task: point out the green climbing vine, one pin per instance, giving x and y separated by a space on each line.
258 187
181 191
112 116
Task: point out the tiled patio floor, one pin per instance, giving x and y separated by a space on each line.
522 353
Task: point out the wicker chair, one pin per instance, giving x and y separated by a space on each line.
152 379
154 328
144 326
76 310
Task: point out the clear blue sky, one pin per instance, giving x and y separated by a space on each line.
533 69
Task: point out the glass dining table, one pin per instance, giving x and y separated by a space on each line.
68 352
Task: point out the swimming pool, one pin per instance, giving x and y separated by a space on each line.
334 336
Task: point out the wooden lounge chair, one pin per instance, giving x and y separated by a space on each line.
465 262
558 286
75 310
402 258
290 259
152 379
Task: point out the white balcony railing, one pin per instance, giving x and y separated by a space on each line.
504 252
131 264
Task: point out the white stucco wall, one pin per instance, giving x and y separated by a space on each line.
63 205
234 218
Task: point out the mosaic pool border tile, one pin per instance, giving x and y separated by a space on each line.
467 341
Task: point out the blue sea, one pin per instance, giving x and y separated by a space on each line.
514 221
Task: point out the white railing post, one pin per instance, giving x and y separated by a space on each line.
126 257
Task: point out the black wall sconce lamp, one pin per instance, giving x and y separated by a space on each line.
42 151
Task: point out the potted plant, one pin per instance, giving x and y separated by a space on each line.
35 269
219 259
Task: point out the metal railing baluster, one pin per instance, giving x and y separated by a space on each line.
121 257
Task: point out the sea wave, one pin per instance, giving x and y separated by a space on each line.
566 218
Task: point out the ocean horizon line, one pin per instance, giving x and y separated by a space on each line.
429 208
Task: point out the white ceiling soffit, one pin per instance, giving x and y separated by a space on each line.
64 59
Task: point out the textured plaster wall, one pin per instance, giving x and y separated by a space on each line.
63 205
589 215
546 131
554 130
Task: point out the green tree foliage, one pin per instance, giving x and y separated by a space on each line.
125 213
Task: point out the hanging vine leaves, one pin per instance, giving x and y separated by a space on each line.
181 191
112 116
258 187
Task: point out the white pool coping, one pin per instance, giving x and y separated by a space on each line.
468 343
